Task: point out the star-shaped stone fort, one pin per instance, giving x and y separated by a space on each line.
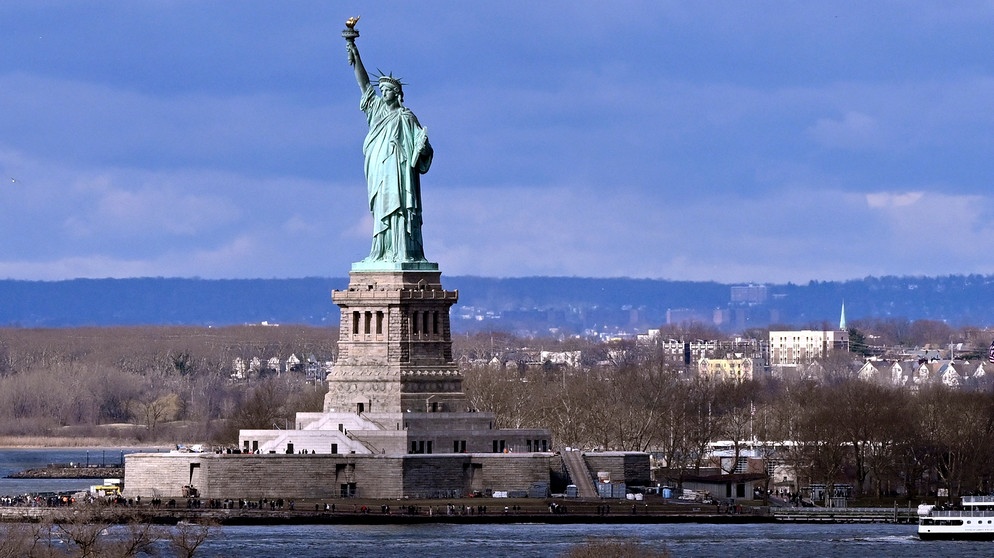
396 422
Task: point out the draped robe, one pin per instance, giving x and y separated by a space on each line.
397 153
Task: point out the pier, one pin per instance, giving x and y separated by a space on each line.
845 515
460 511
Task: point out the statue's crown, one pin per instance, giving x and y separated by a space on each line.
389 78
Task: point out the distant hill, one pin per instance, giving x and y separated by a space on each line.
490 303
161 301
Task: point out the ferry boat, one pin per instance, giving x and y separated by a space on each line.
973 520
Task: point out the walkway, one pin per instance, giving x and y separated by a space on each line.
579 474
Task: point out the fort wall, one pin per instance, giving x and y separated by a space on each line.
255 476
629 467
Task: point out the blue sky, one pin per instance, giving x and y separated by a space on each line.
738 141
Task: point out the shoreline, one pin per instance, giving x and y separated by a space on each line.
14 514
468 511
10 443
92 472
97 470
315 518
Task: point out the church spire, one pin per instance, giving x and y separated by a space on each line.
842 318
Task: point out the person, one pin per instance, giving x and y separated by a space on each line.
397 153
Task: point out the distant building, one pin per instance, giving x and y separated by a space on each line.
790 348
570 359
676 316
293 363
916 374
676 351
749 294
238 368
273 365
726 369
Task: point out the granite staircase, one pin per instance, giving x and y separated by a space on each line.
579 474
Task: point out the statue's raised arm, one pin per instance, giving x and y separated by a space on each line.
350 35
397 153
360 71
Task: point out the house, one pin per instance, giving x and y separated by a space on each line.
947 374
726 369
869 372
915 374
273 364
293 363
238 368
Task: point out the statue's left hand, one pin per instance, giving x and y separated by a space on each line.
421 139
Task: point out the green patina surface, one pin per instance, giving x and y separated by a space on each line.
396 153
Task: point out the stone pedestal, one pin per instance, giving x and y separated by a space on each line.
395 345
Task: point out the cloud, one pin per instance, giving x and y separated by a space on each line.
92 267
149 211
113 222
887 200
853 131
836 234
255 131
947 230
713 143
801 227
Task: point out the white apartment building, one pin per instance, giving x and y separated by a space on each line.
788 348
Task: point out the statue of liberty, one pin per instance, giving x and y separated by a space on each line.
397 153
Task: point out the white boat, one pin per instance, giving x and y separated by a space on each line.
973 520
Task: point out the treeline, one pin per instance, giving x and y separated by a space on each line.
150 384
172 384
832 429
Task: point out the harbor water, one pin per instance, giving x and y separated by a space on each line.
14 460
532 540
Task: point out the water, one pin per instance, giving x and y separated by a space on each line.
532 540
13 460
522 540
539 540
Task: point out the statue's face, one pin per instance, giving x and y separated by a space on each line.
389 92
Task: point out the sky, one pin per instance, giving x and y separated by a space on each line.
731 141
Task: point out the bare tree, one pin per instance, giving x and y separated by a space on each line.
186 538
699 419
19 540
152 409
613 548
264 407
567 412
493 389
94 530
823 448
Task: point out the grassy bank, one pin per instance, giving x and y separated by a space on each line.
31 442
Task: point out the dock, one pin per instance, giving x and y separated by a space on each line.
845 515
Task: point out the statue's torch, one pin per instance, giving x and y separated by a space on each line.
350 34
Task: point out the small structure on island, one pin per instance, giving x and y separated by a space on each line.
396 422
